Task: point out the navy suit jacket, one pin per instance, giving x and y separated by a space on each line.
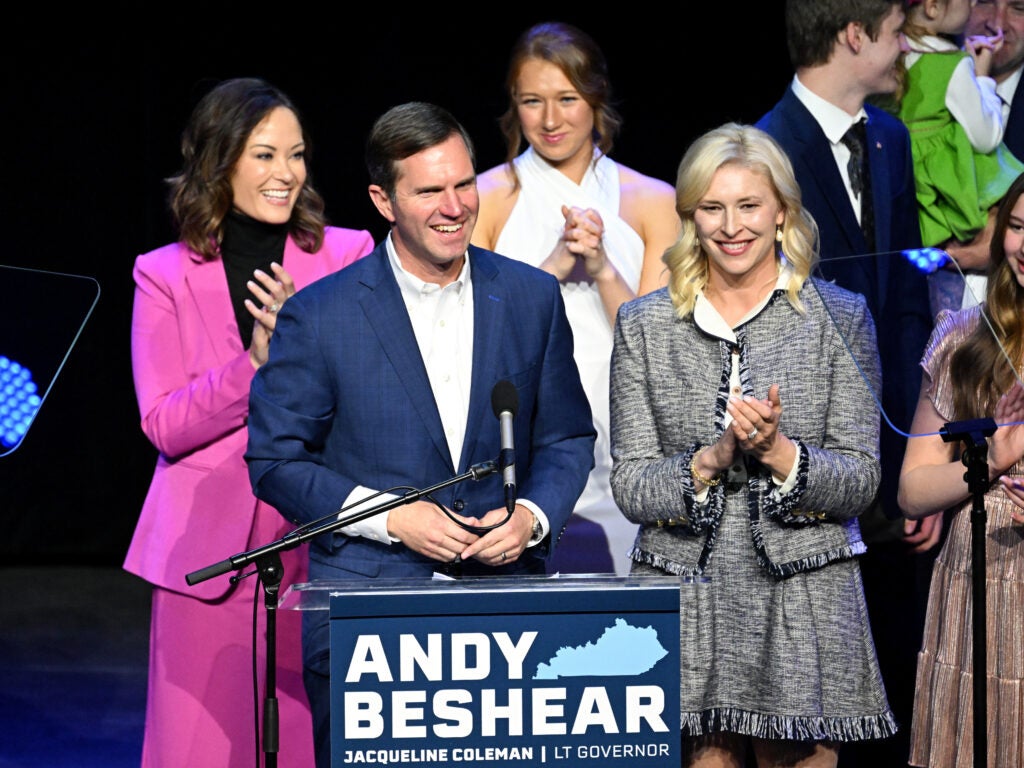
897 292
345 400
1013 136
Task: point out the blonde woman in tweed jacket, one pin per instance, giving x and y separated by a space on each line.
725 483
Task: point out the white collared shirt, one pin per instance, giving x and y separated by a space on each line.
1006 89
442 320
834 122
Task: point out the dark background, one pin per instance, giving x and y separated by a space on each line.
92 113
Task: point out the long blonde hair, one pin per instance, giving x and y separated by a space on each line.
751 148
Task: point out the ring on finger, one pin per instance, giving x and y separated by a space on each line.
504 557
752 434
273 307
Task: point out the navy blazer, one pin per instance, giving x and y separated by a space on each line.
897 292
345 400
1013 136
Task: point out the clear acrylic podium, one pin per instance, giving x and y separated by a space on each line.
316 595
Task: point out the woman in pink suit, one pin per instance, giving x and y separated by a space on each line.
251 229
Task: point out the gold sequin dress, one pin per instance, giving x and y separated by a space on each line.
942 731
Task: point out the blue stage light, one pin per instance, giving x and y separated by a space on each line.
19 401
927 259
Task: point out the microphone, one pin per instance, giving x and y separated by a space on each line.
505 403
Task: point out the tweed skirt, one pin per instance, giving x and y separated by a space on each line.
789 658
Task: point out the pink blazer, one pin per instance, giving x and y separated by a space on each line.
192 381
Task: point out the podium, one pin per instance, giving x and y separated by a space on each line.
528 670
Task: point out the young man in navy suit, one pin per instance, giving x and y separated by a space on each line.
380 379
845 51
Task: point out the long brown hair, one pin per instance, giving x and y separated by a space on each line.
575 53
979 370
211 144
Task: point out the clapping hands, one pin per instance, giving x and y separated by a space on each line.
1007 444
579 254
271 291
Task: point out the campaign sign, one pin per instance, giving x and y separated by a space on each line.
495 673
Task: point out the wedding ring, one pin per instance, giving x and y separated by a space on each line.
504 557
752 434
273 307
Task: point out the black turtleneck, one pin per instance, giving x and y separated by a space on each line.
248 245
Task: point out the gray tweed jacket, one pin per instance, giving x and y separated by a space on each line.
669 385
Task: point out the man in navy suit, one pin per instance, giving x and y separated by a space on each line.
380 379
988 18
845 51
842 59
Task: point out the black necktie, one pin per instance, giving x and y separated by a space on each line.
860 178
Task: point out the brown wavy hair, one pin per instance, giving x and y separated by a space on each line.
575 53
979 370
211 144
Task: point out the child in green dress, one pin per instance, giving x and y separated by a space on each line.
962 169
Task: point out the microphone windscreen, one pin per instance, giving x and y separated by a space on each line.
504 397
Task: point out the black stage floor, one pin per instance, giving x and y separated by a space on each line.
73 649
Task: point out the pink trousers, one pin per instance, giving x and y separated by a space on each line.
201 700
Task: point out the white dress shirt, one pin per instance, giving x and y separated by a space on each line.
442 319
834 122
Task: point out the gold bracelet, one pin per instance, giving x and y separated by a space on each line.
709 482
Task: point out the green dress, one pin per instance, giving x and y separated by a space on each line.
956 185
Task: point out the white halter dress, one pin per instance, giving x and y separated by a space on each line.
529 235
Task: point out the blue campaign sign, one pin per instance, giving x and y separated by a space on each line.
498 671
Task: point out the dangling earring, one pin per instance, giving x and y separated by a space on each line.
778 233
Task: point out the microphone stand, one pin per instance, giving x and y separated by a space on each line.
268 564
271 571
975 457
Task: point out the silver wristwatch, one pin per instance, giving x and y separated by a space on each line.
537 532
